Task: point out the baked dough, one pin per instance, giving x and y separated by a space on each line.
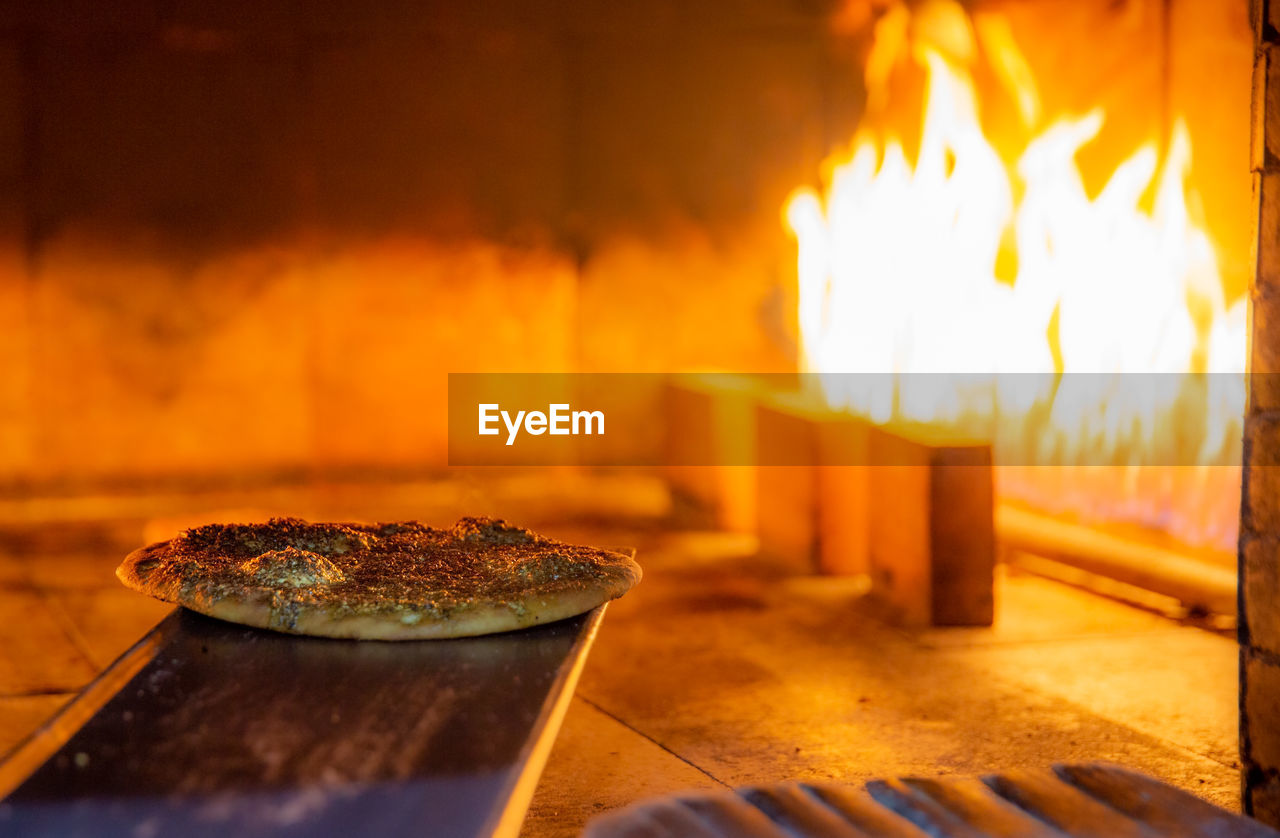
396 581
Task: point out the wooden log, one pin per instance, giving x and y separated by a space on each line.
710 445
931 540
811 506
913 510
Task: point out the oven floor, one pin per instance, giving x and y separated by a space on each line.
720 670
711 675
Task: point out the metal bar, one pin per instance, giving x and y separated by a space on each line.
1198 584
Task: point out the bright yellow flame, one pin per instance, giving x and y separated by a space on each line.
897 274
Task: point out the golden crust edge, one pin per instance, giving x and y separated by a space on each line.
475 619
128 574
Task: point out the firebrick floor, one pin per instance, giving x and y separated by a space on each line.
720 670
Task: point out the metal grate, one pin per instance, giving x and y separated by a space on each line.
1098 801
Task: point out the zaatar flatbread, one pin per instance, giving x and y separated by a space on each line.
397 581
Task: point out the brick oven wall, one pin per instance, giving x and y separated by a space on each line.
1260 511
254 236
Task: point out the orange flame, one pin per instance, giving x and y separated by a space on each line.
898 274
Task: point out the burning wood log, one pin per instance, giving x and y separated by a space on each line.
931 535
710 443
812 485
832 494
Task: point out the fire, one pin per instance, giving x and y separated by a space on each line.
903 269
